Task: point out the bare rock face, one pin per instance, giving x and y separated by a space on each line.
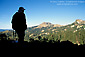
48 24
57 25
79 21
45 24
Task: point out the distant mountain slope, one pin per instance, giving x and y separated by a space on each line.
79 21
74 32
48 24
1 30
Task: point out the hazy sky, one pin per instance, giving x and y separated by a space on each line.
38 11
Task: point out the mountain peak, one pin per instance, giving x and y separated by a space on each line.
44 24
79 21
48 24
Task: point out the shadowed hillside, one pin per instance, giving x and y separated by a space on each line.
38 44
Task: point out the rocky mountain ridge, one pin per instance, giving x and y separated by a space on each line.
79 21
48 24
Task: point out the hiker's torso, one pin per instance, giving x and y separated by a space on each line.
19 21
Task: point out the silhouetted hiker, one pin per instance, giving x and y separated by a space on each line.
19 23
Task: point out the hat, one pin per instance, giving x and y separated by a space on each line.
21 8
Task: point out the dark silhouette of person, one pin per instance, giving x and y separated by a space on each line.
19 23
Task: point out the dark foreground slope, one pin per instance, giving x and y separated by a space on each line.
38 44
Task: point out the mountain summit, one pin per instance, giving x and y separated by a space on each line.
79 21
45 24
48 24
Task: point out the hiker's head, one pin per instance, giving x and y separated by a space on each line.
21 9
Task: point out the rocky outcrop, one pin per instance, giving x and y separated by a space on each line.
48 24
79 21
